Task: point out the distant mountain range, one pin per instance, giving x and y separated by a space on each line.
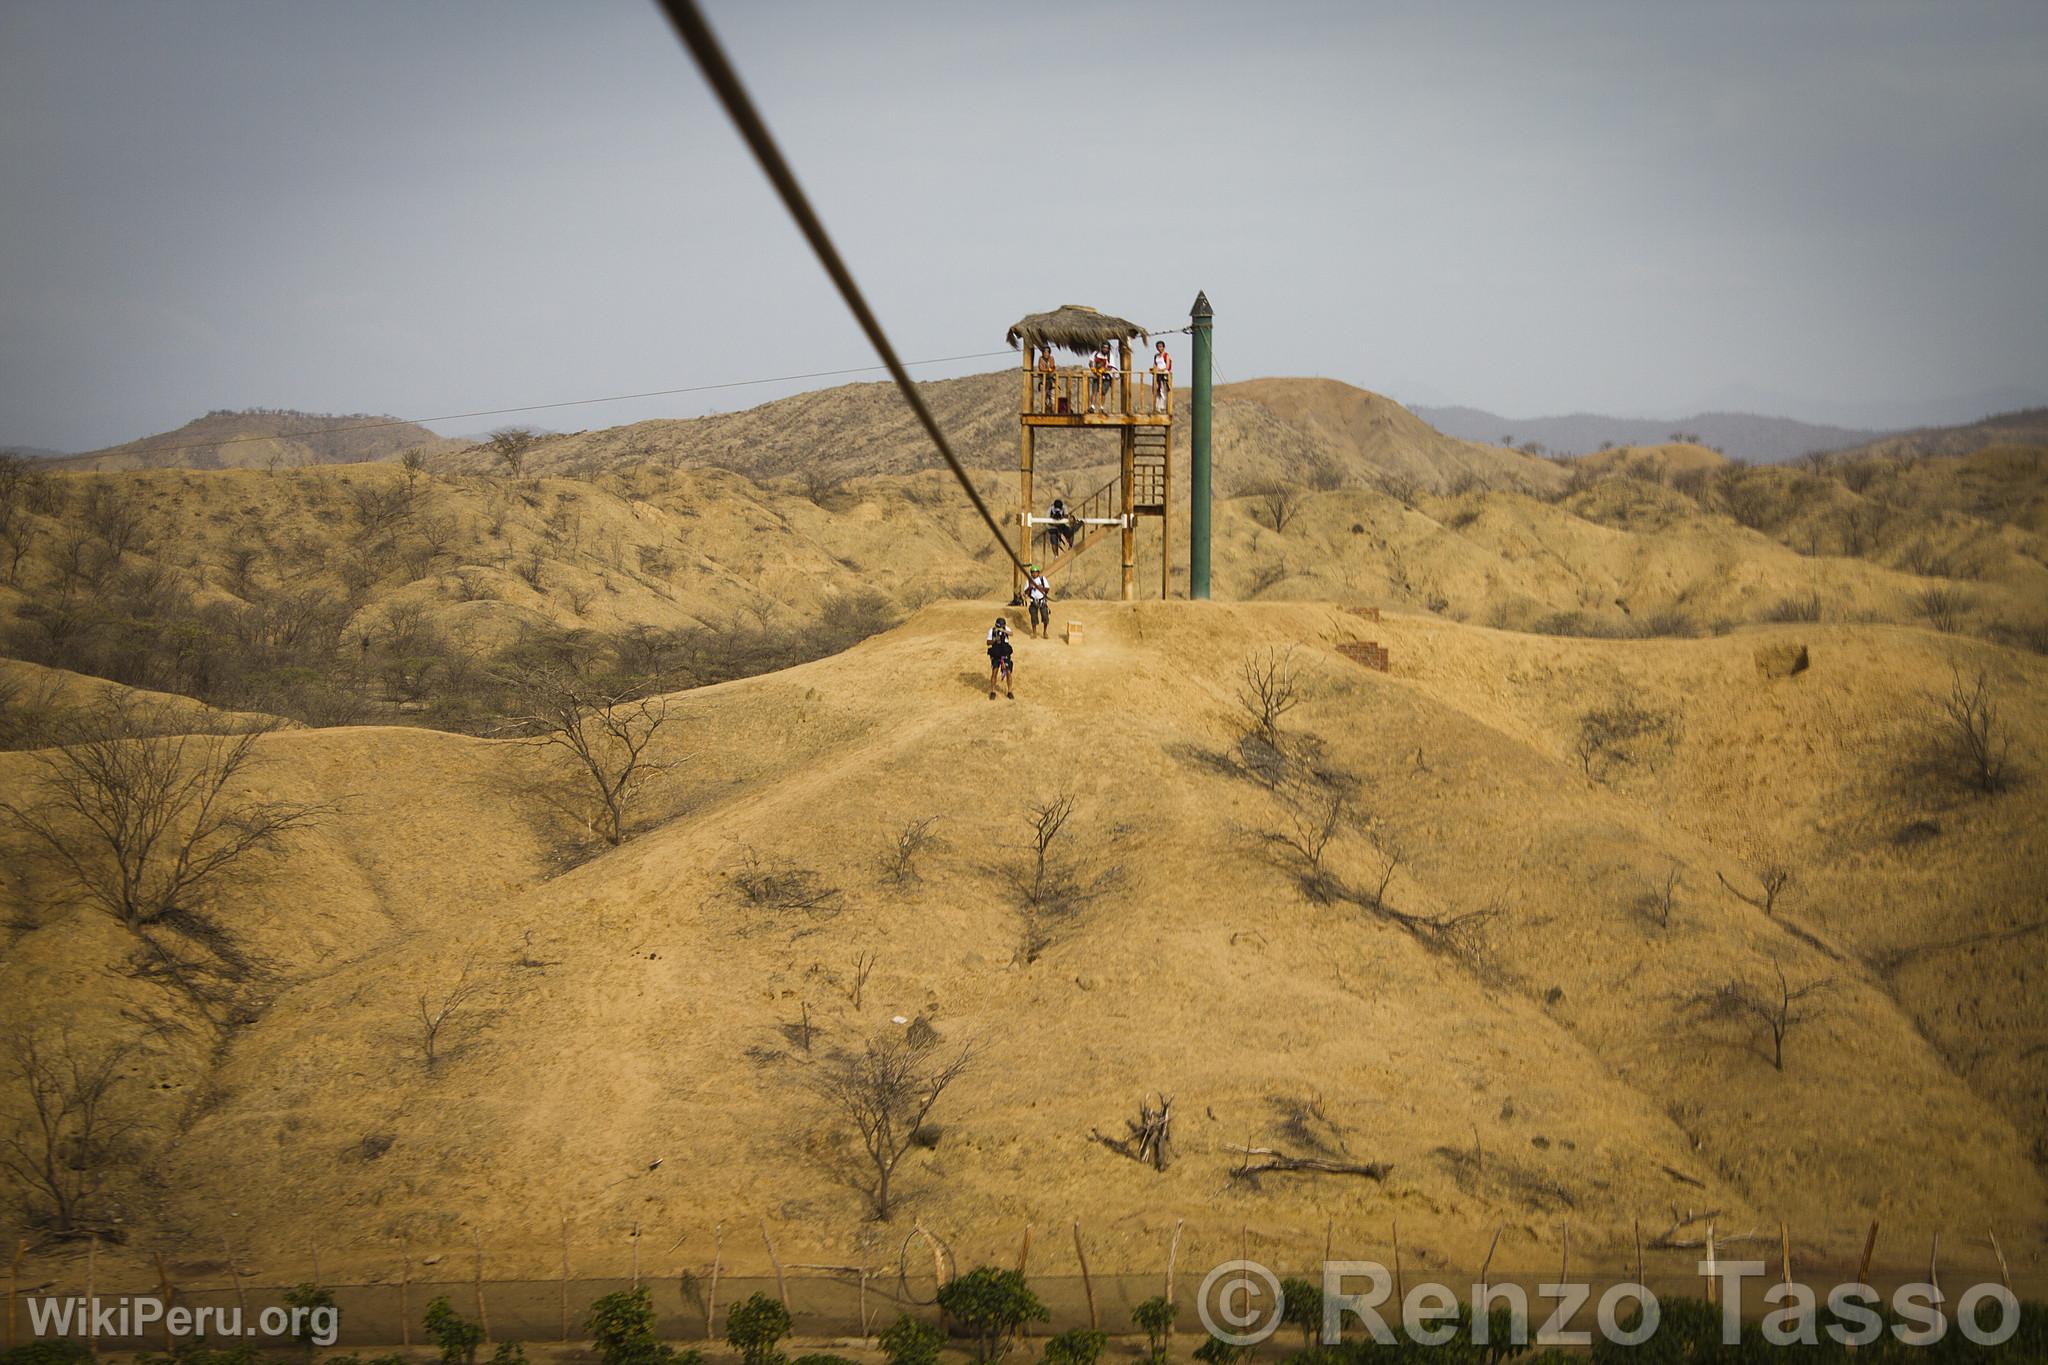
1742 435
263 438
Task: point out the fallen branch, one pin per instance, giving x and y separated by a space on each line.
1277 1161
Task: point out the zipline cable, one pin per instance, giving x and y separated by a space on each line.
725 82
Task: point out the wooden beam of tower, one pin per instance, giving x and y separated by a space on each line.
1166 515
1024 456
1130 451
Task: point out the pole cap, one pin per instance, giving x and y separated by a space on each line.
1201 308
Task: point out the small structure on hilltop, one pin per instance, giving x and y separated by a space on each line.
1136 403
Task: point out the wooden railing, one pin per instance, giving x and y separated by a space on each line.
1080 390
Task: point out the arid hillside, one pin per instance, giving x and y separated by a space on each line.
264 439
1495 918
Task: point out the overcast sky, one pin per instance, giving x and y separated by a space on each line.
432 208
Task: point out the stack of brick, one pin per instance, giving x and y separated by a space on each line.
1366 652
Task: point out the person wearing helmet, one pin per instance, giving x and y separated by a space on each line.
999 655
1038 593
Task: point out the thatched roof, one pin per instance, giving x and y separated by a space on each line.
1071 327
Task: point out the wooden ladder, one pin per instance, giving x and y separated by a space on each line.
1148 470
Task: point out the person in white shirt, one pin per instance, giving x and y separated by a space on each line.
1162 376
1038 593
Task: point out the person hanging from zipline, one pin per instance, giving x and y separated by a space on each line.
1038 593
1060 535
999 656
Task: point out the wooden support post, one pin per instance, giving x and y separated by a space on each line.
1166 514
1123 373
1564 1259
1713 1280
1024 1251
14 1287
404 1293
1087 1285
1172 1254
1487 1264
565 1279
717 1257
1130 455
1400 1294
1934 1268
483 1318
1869 1247
1784 1253
92 1265
2004 1271
1024 462
1636 1225
863 1302
168 1293
781 1286
636 1253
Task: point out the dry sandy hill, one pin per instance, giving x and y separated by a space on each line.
1656 463
2027 427
1316 431
264 439
1538 1065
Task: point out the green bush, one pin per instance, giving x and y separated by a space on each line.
908 1341
822 1358
193 1351
1301 1305
1154 1317
754 1326
53 1351
1217 1351
621 1327
992 1305
1080 1346
457 1337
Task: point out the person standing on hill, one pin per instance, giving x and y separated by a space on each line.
1038 593
1162 377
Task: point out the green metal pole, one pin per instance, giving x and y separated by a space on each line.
1202 316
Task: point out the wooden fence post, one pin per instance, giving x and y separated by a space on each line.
1024 1250
169 1294
1869 1247
565 1277
636 1255
1172 1254
711 1299
1636 1226
1087 1285
483 1317
1784 1253
404 1292
2004 1271
781 1285
1713 1280
1400 1295
1487 1264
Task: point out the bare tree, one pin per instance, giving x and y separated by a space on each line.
1275 503
1312 821
439 1011
1970 733
510 444
71 1136
899 863
1777 1007
1269 686
1772 877
1050 880
149 823
606 729
1656 904
414 463
884 1093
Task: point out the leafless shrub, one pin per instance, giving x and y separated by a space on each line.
1621 732
1264 576
445 1012
1274 503
73 1134
1943 607
606 729
1270 684
1052 880
1777 1007
31 711
884 1094
378 509
863 968
1311 819
1656 904
1971 739
1787 609
771 884
912 842
1772 877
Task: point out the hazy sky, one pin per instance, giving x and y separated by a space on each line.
427 208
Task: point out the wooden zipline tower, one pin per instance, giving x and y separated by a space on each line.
1128 398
